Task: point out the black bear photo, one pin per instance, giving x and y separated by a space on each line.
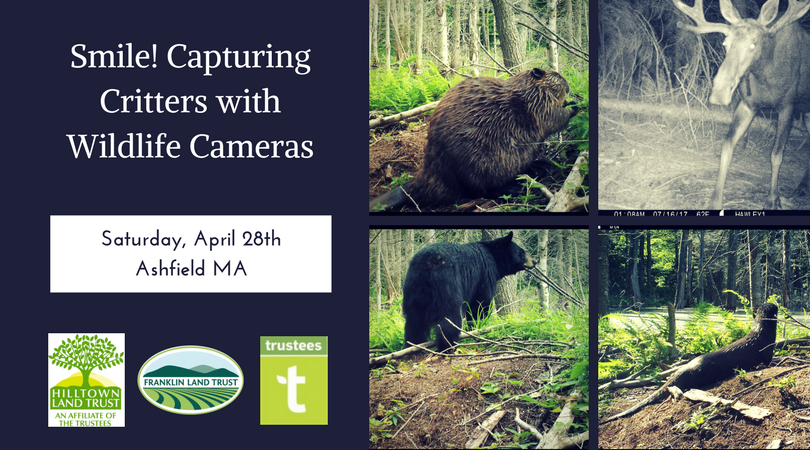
445 279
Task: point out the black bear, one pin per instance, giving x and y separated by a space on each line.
444 279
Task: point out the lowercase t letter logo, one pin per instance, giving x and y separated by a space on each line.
294 387
292 392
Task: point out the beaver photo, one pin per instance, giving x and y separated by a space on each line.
482 135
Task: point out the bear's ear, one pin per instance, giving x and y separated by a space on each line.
509 236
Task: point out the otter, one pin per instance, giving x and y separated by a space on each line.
482 135
746 353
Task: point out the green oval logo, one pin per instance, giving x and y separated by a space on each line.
190 380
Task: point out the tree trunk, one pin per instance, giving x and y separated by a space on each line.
673 350
86 377
688 289
375 30
397 261
419 25
542 244
681 286
506 289
474 33
485 26
397 24
701 272
523 32
430 236
787 273
570 263
569 13
769 270
603 298
441 11
578 20
388 34
560 266
731 282
455 61
552 25
715 279
649 266
635 236
505 21
405 26
754 271
388 265
379 270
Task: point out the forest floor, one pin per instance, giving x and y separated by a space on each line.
440 401
652 427
399 148
647 165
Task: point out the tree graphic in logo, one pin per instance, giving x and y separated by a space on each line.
86 353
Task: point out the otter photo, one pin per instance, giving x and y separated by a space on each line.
464 322
697 329
508 131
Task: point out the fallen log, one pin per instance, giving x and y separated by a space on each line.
403 115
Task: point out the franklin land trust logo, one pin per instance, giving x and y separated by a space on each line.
190 380
81 377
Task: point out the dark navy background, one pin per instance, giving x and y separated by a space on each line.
46 99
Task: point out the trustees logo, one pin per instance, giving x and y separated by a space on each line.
85 380
190 380
294 387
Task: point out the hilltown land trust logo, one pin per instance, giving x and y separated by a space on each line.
190 380
86 380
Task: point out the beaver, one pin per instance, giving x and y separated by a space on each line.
746 353
482 135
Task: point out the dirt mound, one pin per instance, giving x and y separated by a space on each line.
439 402
652 427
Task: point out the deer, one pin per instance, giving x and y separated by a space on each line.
768 63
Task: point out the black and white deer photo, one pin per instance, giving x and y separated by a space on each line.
682 88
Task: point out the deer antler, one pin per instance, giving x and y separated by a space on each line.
696 14
796 9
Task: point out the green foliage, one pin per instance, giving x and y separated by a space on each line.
644 344
490 387
578 127
420 370
702 335
86 353
695 422
386 328
380 371
378 429
741 373
784 385
526 202
399 181
609 370
519 439
391 417
484 320
398 89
